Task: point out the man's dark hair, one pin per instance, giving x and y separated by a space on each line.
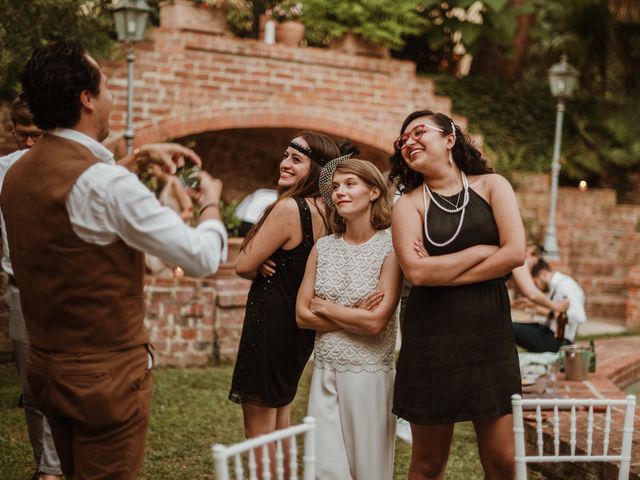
20 113
52 81
540 266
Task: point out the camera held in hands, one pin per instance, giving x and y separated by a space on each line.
189 175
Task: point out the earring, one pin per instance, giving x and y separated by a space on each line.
450 158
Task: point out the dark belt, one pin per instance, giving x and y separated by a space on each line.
12 280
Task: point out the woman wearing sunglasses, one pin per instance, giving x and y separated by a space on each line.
456 231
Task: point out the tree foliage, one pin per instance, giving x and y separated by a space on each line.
383 21
460 26
29 24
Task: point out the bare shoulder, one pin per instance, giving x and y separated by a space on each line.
412 199
408 208
284 212
488 183
286 206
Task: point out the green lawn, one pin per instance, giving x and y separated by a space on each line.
190 412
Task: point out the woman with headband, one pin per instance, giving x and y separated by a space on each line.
273 350
457 232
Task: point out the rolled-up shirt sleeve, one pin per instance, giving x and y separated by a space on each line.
108 200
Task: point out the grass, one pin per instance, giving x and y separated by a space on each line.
190 412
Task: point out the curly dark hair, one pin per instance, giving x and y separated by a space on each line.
467 157
52 81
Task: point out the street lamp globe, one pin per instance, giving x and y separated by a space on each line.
563 79
130 17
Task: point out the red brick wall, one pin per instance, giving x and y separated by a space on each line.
188 82
597 236
633 299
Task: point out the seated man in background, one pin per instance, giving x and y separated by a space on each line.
549 337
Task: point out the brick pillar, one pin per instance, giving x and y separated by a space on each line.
180 319
633 297
229 317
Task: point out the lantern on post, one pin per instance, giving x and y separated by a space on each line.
130 17
563 80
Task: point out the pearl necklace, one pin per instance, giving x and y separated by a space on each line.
461 208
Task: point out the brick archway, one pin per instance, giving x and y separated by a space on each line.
285 117
189 82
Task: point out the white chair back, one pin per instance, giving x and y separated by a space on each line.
587 451
222 455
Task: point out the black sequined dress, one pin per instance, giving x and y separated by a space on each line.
273 350
458 359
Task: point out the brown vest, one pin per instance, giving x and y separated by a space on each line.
76 296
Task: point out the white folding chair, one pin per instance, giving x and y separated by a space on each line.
222 454
587 451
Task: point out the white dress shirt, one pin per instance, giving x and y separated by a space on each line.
563 287
108 203
5 163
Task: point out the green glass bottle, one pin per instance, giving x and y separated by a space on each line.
592 356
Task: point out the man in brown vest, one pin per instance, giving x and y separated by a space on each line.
77 226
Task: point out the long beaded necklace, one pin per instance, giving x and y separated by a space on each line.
465 200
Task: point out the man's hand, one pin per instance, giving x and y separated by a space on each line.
561 305
209 191
168 156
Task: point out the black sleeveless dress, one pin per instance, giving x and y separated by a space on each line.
273 350
458 359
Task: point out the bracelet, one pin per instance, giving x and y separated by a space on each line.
215 203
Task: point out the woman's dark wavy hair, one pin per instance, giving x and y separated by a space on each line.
52 81
467 157
308 186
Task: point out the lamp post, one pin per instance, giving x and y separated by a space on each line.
563 79
130 17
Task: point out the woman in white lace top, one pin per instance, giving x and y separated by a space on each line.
349 295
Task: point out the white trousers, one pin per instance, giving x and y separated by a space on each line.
355 426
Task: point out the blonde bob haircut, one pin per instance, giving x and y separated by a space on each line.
380 207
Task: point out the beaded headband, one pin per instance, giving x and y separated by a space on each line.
315 156
325 183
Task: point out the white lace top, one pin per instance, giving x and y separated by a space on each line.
346 275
